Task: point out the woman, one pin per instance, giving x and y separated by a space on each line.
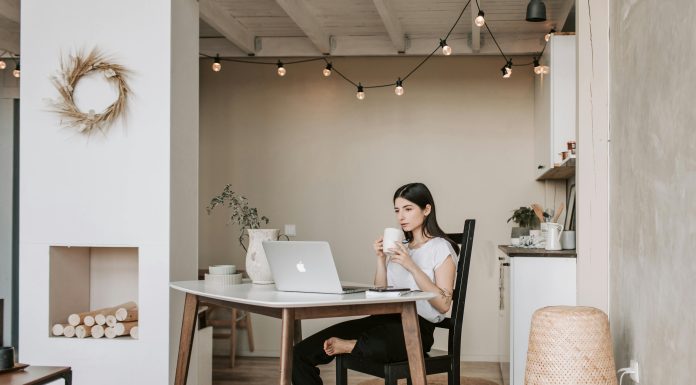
427 263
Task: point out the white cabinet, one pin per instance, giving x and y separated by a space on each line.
555 102
534 282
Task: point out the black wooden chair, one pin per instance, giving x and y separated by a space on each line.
445 363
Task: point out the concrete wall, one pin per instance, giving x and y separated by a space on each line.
305 151
653 179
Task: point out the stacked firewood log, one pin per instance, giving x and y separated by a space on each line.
109 322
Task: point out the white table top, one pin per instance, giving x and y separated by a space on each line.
268 296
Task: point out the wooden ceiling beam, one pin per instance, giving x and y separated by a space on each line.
565 11
227 25
475 30
513 43
9 9
392 24
299 12
9 39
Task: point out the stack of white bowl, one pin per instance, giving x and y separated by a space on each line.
223 275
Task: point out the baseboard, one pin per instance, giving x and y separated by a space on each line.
276 353
479 358
259 353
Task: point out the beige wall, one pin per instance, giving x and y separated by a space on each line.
652 183
305 151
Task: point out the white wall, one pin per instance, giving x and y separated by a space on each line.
116 189
652 183
9 90
305 151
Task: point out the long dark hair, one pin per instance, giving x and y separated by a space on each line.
419 194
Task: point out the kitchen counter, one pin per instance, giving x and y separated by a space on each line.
513 251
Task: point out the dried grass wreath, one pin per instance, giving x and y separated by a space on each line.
71 71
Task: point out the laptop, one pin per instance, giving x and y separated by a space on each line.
305 267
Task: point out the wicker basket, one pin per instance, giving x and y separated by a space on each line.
570 346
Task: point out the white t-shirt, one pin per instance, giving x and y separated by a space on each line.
428 257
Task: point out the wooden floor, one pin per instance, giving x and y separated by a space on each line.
259 370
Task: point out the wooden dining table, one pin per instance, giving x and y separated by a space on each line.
291 308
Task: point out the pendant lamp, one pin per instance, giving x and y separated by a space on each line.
536 11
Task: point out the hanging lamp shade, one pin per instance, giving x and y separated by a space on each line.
536 11
570 345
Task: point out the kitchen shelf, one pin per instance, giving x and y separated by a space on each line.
564 171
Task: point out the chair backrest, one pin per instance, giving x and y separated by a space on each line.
454 323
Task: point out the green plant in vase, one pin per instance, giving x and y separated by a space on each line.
244 216
249 222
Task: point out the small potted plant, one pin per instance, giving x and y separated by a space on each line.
249 222
526 219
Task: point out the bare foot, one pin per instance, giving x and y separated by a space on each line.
334 346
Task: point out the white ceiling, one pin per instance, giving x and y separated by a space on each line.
351 27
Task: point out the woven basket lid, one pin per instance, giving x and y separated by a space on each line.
570 345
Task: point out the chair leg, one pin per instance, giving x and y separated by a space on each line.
341 372
250 334
389 378
233 337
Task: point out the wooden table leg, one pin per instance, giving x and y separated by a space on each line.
286 345
416 363
188 327
298 331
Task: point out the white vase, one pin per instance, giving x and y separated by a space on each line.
256 263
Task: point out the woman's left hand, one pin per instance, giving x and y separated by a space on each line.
401 256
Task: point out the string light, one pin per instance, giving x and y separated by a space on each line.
507 69
361 93
479 20
3 65
16 73
399 89
538 69
547 37
446 50
216 64
327 70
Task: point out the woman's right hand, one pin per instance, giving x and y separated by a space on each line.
379 243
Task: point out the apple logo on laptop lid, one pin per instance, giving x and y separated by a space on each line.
301 267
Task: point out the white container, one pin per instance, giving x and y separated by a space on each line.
256 263
222 269
392 236
553 236
223 279
568 240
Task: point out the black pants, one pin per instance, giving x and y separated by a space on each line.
380 338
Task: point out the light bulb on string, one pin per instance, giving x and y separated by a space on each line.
479 20
3 65
538 69
507 69
216 64
327 70
361 93
547 37
16 73
399 89
446 50
281 70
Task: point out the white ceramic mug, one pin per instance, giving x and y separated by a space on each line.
392 236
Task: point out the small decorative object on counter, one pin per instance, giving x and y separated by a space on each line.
525 217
